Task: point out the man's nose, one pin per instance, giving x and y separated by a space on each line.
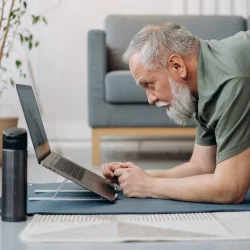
151 97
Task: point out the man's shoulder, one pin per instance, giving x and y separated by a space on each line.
233 94
241 36
235 88
220 61
234 42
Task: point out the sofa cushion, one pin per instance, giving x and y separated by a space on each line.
120 29
120 87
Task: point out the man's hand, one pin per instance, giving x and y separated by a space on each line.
134 181
108 171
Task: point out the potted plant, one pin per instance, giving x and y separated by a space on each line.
13 33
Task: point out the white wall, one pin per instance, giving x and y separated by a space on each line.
60 62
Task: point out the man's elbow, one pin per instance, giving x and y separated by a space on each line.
233 194
235 198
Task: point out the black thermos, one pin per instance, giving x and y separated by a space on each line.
14 175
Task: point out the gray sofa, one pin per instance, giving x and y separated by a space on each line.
116 105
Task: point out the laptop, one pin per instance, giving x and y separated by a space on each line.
54 161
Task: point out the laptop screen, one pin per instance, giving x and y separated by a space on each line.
34 121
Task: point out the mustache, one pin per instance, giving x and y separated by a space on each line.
161 104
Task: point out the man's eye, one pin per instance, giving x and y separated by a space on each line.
147 85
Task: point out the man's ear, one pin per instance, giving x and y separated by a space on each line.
177 66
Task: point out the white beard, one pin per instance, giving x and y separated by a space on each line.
182 107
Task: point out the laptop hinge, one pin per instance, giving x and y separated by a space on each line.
41 158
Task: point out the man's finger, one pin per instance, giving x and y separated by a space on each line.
109 171
110 165
120 179
118 172
108 174
106 171
113 163
127 165
114 167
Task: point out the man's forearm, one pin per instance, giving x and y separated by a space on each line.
183 170
200 188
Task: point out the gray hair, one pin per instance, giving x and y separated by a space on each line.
155 43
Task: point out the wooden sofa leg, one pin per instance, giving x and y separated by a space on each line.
95 147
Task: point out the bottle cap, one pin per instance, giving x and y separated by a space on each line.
15 138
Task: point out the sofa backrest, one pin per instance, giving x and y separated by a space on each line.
120 29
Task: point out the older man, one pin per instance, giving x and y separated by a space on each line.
207 80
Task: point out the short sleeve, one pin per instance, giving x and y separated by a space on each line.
232 130
204 136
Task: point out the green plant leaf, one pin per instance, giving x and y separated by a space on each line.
35 19
25 5
30 45
15 10
12 82
12 15
17 21
44 20
18 63
21 38
36 44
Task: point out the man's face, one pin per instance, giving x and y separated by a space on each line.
164 91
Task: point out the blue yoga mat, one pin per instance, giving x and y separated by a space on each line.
122 205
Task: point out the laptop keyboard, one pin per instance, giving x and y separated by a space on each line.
70 168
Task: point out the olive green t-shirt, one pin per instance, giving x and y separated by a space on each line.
224 95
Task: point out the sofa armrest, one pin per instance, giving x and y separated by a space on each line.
97 69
